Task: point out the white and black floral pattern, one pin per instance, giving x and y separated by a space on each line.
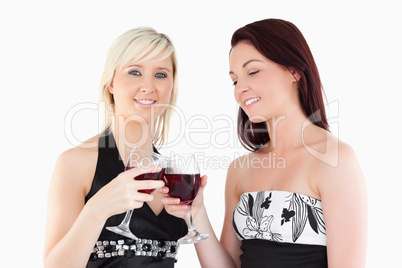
257 225
305 209
281 217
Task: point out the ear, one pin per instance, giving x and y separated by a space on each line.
295 74
110 88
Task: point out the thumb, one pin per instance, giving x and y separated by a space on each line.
204 180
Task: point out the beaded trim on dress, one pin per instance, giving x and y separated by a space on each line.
130 248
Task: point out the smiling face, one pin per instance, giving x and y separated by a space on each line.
140 88
263 88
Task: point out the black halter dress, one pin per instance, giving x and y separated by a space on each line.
157 246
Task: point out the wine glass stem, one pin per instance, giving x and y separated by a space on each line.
127 218
189 220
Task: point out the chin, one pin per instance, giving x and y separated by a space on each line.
257 118
257 121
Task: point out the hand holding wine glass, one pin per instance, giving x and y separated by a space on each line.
182 177
143 159
175 208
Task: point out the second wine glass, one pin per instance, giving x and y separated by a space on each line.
140 158
182 176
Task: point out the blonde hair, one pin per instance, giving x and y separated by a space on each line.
136 46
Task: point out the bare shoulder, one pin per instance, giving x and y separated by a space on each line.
76 166
343 192
70 183
237 170
339 168
76 158
323 148
239 166
332 163
348 164
337 156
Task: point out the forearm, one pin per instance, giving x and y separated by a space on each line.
210 252
74 249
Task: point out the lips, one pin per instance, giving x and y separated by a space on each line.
146 103
251 101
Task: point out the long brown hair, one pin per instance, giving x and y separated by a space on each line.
283 43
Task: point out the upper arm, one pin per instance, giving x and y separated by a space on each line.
344 202
67 191
229 239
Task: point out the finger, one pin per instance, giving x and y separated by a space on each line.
204 180
175 208
170 200
143 197
163 190
148 184
134 172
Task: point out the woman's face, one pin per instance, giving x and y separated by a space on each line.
143 90
263 88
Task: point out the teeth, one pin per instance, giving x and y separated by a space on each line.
250 101
146 101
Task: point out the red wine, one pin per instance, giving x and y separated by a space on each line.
149 176
183 186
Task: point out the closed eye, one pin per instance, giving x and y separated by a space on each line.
253 73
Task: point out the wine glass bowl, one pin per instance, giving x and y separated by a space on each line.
183 186
140 158
182 177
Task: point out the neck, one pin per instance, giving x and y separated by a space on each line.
287 131
131 134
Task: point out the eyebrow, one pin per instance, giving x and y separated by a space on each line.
247 62
141 66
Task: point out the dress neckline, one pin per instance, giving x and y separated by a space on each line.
113 146
279 191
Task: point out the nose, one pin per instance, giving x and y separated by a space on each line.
147 85
240 88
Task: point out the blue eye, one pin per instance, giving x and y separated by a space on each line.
234 83
160 75
134 72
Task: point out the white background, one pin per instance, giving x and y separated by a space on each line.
52 54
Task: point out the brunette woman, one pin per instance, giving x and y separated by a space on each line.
311 209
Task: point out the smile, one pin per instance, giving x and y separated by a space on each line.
251 100
144 103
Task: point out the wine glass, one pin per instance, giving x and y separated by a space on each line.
182 176
139 158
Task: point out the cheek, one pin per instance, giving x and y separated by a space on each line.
165 93
164 101
164 96
236 95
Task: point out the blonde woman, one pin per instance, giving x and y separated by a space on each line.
90 190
